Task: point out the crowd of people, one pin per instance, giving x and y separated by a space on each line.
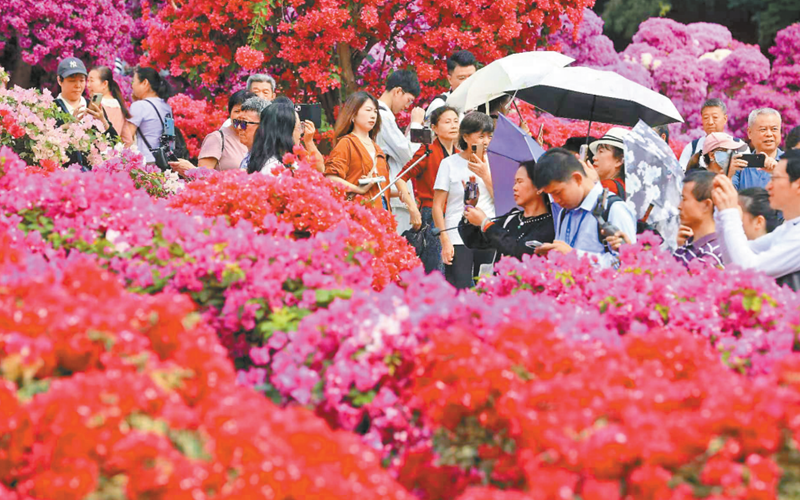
740 201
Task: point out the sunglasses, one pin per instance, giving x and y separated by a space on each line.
242 124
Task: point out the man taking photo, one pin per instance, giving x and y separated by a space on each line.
778 253
402 88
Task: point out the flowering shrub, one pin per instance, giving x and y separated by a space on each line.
318 46
306 200
690 63
95 31
196 118
145 176
109 394
29 128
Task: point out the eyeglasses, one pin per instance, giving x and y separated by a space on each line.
773 178
242 124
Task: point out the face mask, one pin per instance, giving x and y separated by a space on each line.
723 159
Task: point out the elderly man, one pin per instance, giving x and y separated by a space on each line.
764 131
778 253
714 114
262 85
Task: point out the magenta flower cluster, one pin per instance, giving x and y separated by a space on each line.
694 62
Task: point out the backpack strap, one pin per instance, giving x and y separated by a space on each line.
620 189
222 136
694 146
610 200
139 129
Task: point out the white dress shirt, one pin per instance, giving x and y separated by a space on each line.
776 254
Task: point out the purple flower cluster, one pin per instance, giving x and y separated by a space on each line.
693 62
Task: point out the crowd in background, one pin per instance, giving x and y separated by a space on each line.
740 201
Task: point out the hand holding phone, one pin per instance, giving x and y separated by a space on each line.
584 152
97 98
754 161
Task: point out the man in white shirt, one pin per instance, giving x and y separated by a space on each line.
714 114
460 66
777 253
402 87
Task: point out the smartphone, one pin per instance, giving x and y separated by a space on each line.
471 192
421 135
584 151
97 98
754 161
533 244
311 112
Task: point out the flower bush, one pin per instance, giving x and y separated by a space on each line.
692 62
95 31
110 394
29 128
196 118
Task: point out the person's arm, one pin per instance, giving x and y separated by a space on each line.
133 123
393 142
439 202
309 131
686 155
505 243
410 203
337 165
774 256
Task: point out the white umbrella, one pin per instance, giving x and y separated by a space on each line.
599 96
508 74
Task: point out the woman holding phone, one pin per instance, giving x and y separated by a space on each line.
101 82
357 162
458 176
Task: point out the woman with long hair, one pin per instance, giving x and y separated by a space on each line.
148 111
101 81
357 156
279 131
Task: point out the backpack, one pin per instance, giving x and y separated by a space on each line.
599 213
170 131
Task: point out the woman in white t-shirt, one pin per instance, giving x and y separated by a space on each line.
278 133
461 263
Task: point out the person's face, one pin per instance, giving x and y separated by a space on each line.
139 87
765 134
263 90
459 74
524 190
693 212
754 227
246 136
479 139
366 117
297 134
73 86
714 120
604 162
401 100
236 111
782 193
568 194
715 166
95 84
447 127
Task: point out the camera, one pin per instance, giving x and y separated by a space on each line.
164 154
471 192
422 135
311 112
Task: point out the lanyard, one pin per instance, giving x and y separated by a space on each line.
577 229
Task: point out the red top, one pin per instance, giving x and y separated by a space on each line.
424 174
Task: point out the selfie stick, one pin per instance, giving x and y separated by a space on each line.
404 172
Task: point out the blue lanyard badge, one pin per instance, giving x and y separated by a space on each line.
569 228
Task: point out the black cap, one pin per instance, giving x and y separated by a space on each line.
71 66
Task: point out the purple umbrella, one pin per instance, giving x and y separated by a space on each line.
510 146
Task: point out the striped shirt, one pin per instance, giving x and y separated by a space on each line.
707 250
